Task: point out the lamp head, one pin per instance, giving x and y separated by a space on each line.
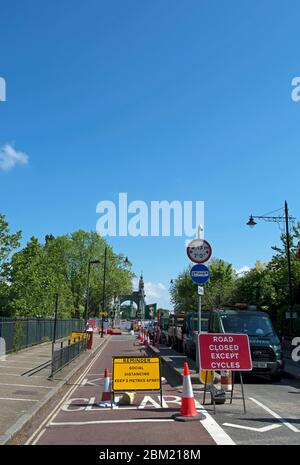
251 222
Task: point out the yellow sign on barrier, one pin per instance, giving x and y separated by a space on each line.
76 336
136 374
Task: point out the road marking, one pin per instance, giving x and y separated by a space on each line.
56 409
101 422
13 366
212 427
92 382
264 429
218 434
26 385
275 415
14 398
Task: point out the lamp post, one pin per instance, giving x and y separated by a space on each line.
126 261
286 219
91 262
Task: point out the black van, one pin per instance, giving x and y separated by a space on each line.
264 343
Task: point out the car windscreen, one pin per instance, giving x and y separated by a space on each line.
251 324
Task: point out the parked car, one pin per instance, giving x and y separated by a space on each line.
264 343
191 331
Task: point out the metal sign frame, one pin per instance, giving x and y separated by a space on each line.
213 398
136 390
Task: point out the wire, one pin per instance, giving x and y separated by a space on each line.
274 211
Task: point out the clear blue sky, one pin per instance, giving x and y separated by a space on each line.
161 99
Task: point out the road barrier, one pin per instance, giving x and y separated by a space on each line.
64 355
20 333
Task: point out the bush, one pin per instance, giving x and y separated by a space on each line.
18 335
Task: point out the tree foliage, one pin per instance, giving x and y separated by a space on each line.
218 291
39 271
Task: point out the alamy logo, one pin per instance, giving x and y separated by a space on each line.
296 90
160 218
296 351
2 90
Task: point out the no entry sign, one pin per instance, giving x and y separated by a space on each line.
225 352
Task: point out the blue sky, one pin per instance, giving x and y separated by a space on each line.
163 100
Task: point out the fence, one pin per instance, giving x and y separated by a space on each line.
63 356
20 333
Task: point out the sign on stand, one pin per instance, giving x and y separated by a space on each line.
225 352
136 374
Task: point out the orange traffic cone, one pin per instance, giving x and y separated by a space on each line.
106 393
188 410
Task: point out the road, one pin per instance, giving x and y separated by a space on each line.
273 412
77 419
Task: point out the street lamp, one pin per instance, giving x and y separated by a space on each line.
126 262
91 262
286 219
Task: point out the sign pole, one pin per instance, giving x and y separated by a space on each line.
199 331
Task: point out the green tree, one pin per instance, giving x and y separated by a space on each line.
8 242
40 271
218 291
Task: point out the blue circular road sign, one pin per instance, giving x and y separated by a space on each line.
199 274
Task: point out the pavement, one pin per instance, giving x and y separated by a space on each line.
25 387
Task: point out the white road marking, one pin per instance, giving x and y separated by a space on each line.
275 415
38 437
14 398
21 368
264 429
91 382
26 385
220 436
100 422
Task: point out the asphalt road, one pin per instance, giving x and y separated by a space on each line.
273 412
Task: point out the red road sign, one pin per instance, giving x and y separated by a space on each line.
225 352
199 251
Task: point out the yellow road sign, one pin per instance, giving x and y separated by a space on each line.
136 374
208 375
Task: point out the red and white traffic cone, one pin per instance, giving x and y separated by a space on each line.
146 341
188 410
106 393
226 380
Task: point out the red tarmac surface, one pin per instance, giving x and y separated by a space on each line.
80 420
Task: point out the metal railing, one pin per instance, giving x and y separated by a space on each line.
20 333
64 355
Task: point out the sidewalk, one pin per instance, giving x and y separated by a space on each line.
23 392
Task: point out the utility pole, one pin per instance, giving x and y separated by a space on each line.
103 295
